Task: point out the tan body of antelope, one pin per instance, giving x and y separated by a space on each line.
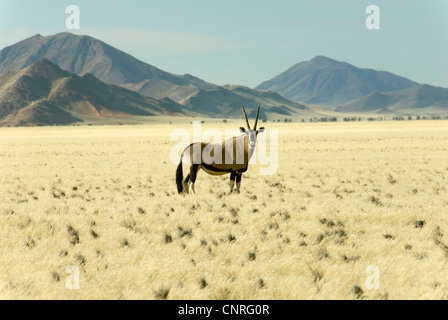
231 156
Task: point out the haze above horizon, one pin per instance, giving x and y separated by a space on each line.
248 42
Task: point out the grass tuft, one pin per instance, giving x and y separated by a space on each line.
73 235
161 293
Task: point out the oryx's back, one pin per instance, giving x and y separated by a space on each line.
230 155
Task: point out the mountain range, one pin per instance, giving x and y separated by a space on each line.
44 94
84 59
327 82
421 99
229 98
66 78
83 54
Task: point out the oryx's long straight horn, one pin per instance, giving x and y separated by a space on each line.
245 115
256 119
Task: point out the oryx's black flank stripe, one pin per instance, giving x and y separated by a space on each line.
212 168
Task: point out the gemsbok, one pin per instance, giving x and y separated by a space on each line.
231 156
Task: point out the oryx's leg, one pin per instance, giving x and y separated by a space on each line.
232 180
185 183
238 181
193 174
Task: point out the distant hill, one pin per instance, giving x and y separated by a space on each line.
226 101
43 94
331 83
415 100
82 54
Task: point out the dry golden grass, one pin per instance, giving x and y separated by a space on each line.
346 196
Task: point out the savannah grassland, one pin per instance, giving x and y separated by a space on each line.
346 196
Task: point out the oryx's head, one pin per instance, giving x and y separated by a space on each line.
251 133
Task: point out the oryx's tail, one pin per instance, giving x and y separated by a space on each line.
180 176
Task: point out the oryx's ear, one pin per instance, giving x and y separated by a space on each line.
260 130
242 130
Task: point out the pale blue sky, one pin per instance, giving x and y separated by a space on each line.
247 41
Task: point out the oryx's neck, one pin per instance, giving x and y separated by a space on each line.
243 140
250 151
